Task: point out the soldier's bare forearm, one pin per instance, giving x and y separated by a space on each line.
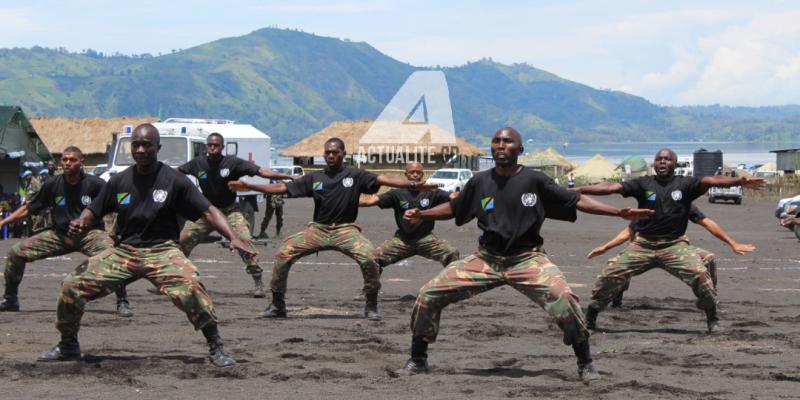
440 212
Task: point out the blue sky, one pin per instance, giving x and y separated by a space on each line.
671 52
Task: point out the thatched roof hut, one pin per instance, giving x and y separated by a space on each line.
396 139
91 135
597 169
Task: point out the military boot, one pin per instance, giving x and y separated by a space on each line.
713 321
258 289
10 303
371 307
276 309
68 349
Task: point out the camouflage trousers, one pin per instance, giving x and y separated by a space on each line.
344 238
164 265
530 273
49 243
276 209
195 232
677 257
709 261
431 247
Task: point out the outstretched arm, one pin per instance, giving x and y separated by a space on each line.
442 211
592 206
270 174
403 183
600 189
716 230
272 188
708 182
18 214
220 223
368 200
623 236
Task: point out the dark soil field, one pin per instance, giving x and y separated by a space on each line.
496 345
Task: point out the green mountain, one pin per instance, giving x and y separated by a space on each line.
291 84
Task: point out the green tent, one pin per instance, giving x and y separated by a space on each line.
20 147
637 163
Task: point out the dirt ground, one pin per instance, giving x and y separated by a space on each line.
496 345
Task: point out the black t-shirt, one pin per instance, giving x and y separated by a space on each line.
511 210
148 206
670 197
695 215
67 201
403 199
335 193
214 176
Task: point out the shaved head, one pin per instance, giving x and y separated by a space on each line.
413 165
147 130
511 132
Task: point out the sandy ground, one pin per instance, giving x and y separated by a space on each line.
496 345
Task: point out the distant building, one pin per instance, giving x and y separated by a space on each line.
91 135
787 160
377 156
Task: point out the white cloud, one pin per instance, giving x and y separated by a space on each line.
328 7
15 20
757 63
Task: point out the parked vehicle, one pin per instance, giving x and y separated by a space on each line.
183 139
293 170
450 179
788 207
99 169
725 194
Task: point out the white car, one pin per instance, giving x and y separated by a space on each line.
292 170
450 179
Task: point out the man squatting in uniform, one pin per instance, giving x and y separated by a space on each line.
708 258
411 239
510 203
661 241
66 195
148 198
336 191
213 171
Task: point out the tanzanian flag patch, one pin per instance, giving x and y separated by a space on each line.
650 196
124 198
317 186
202 175
404 204
487 203
59 201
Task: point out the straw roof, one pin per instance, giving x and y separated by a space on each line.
352 132
768 167
91 135
547 158
596 169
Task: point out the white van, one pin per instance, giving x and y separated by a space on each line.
183 139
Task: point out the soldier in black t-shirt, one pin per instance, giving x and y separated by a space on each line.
148 198
510 203
708 258
660 241
64 196
411 239
336 191
213 171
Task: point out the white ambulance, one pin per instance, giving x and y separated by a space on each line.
183 139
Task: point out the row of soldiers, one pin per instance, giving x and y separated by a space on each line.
509 202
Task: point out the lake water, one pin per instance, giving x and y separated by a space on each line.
733 153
